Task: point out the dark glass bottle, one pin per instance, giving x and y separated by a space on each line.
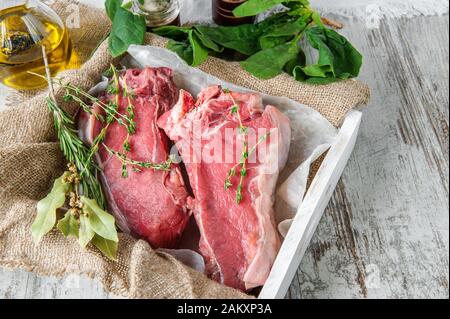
223 13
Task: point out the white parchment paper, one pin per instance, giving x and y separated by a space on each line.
312 134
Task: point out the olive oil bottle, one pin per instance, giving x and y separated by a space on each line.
26 26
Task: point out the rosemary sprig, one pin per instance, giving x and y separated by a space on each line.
72 146
139 164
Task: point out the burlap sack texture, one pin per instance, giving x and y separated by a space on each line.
30 160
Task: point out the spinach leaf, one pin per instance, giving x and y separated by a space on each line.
282 31
200 53
182 34
299 60
173 32
127 29
254 7
296 4
207 42
246 39
269 63
272 44
191 51
243 38
111 7
337 57
183 49
322 81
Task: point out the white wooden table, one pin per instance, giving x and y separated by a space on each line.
385 233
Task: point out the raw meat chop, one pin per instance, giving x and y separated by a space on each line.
149 204
239 241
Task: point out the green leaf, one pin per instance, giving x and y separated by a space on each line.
243 38
200 53
298 61
337 57
322 81
207 42
173 32
86 233
69 225
100 221
254 7
269 63
269 44
111 7
46 209
183 49
283 31
127 29
297 4
127 4
107 247
319 70
317 19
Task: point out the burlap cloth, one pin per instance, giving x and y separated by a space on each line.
30 160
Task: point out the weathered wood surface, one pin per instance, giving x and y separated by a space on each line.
385 233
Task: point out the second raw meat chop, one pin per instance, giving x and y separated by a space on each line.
238 240
150 204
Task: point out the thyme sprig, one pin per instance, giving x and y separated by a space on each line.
243 131
119 89
111 110
131 128
74 93
140 164
244 171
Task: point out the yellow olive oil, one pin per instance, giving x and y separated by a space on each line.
23 32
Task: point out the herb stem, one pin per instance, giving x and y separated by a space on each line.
243 131
71 145
127 161
236 110
75 97
104 106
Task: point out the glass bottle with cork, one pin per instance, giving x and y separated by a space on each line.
25 27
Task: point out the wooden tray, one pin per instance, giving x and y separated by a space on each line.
311 210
